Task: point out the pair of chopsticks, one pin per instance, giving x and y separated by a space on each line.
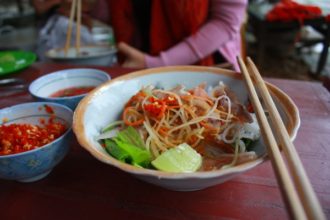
298 194
75 6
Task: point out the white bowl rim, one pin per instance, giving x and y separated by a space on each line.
46 145
101 72
78 126
111 50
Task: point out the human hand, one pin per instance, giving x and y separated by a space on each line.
86 19
65 7
134 58
53 2
43 6
86 6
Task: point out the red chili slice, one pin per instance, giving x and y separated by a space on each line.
16 138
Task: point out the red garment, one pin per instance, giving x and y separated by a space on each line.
171 22
327 18
288 10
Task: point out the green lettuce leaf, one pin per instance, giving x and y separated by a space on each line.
129 147
112 148
131 136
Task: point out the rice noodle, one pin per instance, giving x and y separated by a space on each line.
174 117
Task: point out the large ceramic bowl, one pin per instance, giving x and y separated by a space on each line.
42 88
89 55
106 103
35 164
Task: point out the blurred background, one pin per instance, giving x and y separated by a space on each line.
292 50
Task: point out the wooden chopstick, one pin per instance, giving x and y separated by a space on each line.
304 188
75 6
78 27
286 185
69 30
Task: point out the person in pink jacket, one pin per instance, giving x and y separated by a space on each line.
218 35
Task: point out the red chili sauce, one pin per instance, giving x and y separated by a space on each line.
16 138
72 91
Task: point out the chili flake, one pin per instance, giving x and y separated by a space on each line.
4 120
49 109
16 138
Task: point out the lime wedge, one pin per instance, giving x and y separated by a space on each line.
181 159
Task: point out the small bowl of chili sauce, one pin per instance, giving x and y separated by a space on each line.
67 86
34 138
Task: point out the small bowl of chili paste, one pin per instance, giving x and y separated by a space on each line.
34 138
67 86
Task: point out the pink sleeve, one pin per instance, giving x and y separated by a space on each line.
224 23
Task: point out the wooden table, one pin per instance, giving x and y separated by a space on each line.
81 187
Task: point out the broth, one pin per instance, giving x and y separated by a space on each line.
72 91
